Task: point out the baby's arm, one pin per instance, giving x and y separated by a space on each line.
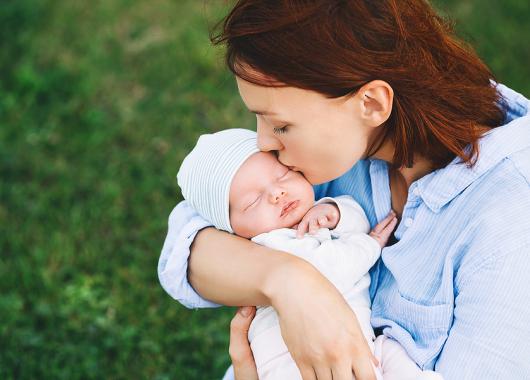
343 215
342 261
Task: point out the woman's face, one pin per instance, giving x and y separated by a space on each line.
320 137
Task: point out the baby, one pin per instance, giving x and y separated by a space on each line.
250 193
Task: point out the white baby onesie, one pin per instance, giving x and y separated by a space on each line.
343 255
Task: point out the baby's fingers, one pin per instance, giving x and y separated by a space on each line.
389 227
302 228
323 221
313 226
385 222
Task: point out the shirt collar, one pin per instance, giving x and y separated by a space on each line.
443 185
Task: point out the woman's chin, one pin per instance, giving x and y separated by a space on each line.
318 180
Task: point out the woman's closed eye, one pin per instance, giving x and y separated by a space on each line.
280 130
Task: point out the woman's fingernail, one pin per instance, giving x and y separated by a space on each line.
245 311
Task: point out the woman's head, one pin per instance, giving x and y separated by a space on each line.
319 136
439 90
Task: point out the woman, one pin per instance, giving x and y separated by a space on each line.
381 101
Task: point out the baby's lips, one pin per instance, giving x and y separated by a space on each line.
289 206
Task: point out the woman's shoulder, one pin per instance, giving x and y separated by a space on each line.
497 207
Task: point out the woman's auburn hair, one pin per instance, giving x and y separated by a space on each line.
444 95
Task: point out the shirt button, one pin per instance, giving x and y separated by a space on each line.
416 192
408 222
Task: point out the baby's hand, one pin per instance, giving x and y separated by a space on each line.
323 215
382 231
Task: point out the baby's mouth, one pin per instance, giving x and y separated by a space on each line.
289 207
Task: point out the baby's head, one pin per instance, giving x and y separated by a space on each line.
239 189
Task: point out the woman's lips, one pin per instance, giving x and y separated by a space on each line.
289 207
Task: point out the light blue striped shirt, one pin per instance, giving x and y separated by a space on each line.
455 288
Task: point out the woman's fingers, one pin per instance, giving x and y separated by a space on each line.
239 350
324 373
374 360
363 367
342 371
307 373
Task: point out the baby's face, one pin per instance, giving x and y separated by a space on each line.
265 195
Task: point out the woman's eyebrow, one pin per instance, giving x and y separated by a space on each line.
257 112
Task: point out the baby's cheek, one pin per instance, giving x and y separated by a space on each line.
275 222
259 221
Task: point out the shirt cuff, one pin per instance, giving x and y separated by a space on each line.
183 225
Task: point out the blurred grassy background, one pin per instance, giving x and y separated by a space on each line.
99 103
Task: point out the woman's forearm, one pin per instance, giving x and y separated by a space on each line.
234 271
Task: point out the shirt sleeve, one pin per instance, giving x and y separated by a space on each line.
490 336
347 259
184 223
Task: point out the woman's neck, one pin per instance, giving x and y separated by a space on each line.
420 167
401 178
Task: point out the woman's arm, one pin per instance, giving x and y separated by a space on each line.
319 328
234 271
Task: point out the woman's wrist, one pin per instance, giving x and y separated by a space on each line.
288 275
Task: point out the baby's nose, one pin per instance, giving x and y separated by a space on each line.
277 195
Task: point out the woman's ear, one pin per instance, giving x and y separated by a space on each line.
376 99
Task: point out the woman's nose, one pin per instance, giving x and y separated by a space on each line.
277 194
266 140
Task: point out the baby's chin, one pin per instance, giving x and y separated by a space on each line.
279 225
289 222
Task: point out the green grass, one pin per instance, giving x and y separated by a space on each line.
99 103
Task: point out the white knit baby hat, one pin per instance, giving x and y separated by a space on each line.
207 172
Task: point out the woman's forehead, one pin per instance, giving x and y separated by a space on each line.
258 99
277 101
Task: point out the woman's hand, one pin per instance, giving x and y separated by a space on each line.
318 326
240 352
